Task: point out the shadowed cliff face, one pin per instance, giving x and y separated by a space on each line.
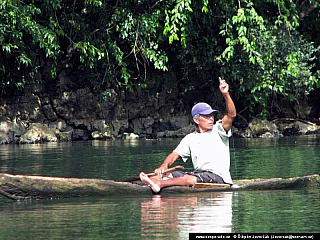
65 111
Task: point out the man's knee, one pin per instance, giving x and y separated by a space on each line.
191 180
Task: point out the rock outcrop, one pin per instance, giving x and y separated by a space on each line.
64 111
277 128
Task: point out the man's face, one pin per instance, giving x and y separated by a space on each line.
205 122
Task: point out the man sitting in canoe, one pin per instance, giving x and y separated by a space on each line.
208 147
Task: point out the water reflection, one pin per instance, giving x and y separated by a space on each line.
90 218
301 140
114 160
275 157
171 217
181 215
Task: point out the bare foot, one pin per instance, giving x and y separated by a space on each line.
144 178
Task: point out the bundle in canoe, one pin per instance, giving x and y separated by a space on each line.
20 187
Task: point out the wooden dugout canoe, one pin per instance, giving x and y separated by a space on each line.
20 187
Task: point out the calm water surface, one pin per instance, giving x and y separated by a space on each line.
160 217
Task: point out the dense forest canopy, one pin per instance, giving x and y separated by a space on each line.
268 50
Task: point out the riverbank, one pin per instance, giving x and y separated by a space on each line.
61 111
39 132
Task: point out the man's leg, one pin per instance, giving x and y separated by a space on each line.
156 184
162 177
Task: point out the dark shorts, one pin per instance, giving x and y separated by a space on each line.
202 176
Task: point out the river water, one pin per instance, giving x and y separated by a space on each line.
160 217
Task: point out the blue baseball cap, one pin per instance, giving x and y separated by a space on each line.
202 108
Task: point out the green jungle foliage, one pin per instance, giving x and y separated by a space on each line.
268 50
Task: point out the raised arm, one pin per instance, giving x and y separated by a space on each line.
231 109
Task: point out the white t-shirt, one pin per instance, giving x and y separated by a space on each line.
208 151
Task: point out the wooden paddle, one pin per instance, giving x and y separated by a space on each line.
176 168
